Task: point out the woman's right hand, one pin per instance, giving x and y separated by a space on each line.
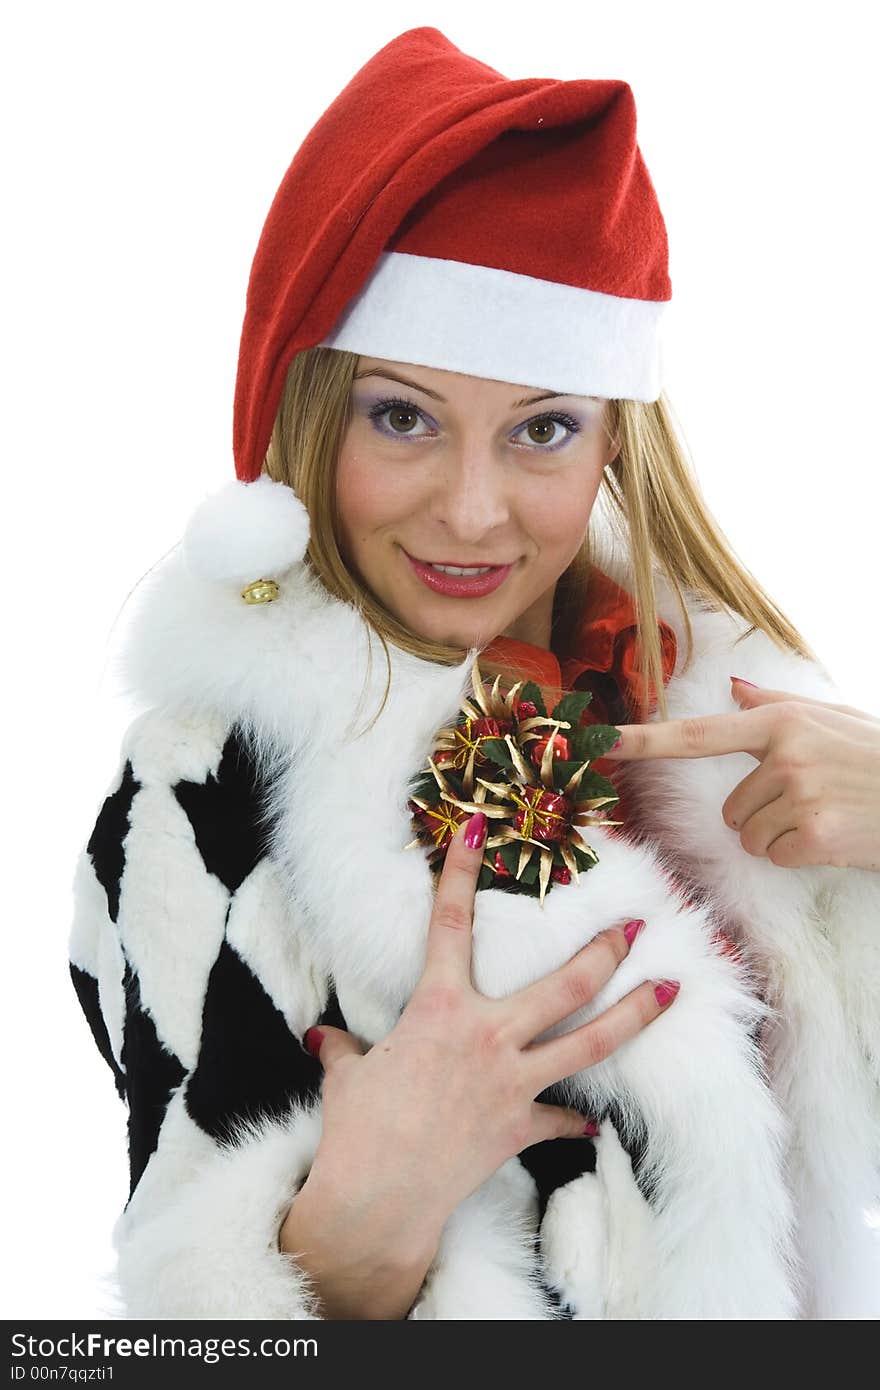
416 1123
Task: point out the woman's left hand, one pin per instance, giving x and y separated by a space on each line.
814 797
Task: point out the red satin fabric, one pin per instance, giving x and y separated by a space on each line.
604 641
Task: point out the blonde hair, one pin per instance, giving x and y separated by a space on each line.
652 494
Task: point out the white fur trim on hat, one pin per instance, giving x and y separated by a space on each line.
578 341
246 531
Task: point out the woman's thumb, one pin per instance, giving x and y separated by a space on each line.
327 1044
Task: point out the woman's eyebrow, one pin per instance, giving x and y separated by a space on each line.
435 395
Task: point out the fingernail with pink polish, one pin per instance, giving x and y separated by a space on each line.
476 831
591 1129
632 929
666 991
742 682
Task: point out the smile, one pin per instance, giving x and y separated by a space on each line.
459 585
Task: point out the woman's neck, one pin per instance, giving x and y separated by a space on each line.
535 625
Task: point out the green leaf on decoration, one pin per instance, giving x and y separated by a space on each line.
583 860
592 742
497 750
571 707
510 857
563 769
426 788
532 869
531 691
593 784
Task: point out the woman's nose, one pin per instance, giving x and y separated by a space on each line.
470 495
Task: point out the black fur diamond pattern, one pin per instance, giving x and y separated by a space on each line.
250 1063
106 843
223 813
86 987
152 1073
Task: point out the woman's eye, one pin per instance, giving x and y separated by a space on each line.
400 418
403 417
542 430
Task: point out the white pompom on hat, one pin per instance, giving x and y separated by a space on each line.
246 531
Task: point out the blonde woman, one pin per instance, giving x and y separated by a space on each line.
406 1023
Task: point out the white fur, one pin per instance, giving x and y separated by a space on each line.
580 340
485 1265
258 928
732 1180
813 934
599 1235
207 1246
172 961
246 531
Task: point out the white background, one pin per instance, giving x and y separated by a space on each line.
143 146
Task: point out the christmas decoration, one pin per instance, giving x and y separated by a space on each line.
505 756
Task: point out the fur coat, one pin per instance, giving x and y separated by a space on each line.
216 919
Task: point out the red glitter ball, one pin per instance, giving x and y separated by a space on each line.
556 810
560 748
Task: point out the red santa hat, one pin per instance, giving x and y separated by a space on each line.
443 215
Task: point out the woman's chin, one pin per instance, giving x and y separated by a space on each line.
447 635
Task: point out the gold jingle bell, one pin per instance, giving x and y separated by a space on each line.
260 591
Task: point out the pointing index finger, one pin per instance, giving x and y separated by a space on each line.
703 736
449 931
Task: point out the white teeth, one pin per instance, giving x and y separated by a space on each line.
450 569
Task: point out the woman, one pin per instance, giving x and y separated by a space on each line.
447 255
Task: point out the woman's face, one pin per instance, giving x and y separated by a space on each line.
459 470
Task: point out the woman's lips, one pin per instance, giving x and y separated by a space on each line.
459 585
